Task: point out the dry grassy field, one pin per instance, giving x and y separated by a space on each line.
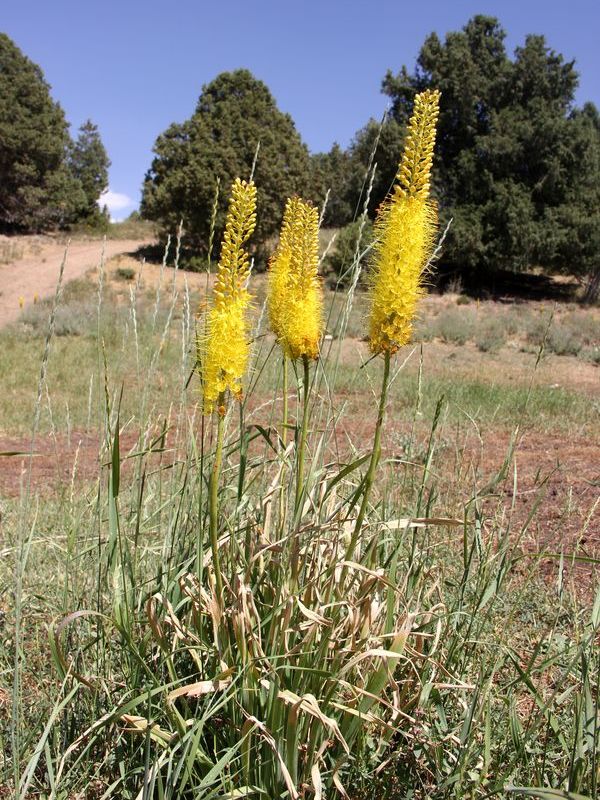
493 424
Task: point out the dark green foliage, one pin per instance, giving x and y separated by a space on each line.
518 168
37 188
351 247
234 114
348 174
573 226
329 172
89 163
378 145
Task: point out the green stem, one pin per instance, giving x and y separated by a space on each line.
285 401
284 430
302 442
375 456
214 500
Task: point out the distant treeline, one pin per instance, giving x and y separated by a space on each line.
517 164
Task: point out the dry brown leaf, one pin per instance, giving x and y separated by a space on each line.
199 688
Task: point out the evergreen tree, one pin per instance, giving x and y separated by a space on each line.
37 188
89 163
378 145
329 173
234 114
517 164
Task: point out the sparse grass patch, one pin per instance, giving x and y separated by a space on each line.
10 251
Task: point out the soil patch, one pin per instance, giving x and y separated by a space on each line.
33 276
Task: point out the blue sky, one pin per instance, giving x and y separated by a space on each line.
135 66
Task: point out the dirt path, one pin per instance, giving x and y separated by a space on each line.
23 279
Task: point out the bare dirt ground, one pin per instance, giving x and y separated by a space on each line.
551 503
34 273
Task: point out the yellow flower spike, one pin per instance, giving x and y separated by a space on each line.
279 266
223 349
405 232
415 167
295 299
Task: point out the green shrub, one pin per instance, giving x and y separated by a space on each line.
455 326
586 324
537 330
76 319
125 273
516 320
564 341
76 314
590 354
567 334
490 335
425 329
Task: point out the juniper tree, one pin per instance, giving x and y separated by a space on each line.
234 113
37 187
518 163
89 163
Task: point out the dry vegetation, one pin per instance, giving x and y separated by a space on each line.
493 429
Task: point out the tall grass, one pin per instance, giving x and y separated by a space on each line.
440 661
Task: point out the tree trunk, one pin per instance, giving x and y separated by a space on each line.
592 290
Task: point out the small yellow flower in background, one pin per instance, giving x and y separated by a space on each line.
405 232
295 298
35 299
223 347
21 301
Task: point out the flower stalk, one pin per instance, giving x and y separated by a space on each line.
295 304
303 434
405 239
405 233
375 457
295 300
215 476
285 381
223 350
223 347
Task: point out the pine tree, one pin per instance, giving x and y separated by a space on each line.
329 173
